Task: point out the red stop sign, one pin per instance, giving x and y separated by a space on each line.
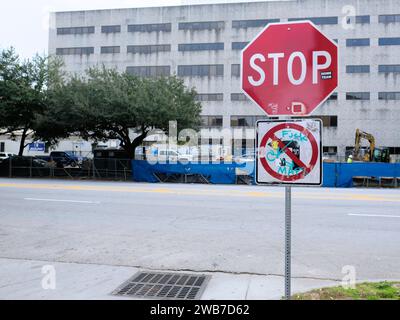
290 68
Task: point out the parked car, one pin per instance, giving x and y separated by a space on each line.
5 155
24 166
64 159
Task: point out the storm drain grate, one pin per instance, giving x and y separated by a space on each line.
157 285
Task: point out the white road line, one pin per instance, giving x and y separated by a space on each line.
373 215
60 200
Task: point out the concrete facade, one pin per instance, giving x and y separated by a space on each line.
377 116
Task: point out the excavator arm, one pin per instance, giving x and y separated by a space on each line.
366 136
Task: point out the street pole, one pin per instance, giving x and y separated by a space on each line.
288 231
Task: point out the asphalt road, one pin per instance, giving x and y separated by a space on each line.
238 229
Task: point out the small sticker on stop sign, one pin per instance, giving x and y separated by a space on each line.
326 75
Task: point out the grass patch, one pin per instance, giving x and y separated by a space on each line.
364 291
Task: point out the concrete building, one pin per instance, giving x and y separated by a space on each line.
202 44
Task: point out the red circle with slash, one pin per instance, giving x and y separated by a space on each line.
306 168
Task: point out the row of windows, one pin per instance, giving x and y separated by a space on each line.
148 49
210 97
250 121
239 45
208 70
201 46
75 51
319 20
218 70
111 29
384 68
389 18
150 71
150 27
215 25
366 42
389 68
358 69
334 96
234 97
359 20
75 30
203 70
259 23
205 25
110 49
367 96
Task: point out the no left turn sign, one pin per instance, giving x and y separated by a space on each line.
289 152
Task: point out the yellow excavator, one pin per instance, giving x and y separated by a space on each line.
372 153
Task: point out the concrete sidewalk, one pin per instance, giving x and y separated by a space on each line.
22 279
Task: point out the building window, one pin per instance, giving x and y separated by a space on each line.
206 70
149 71
389 68
359 19
330 150
74 51
211 121
206 25
111 49
394 150
201 46
358 42
239 45
389 96
110 29
333 97
243 121
210 97
235 70
148 49
328 121
389 41
75 30
152 27
2 146
259 23
358 69
358 96
389 18
318 20
239 97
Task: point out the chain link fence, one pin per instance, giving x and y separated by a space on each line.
97 168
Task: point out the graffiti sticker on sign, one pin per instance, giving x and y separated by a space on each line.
289 152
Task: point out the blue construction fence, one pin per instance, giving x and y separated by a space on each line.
340 175
335 174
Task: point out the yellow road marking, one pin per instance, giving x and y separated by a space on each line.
199 192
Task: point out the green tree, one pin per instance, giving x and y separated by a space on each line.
23 86
105 104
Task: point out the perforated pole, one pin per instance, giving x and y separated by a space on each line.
288 231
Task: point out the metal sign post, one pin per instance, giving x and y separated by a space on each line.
290 154
288 235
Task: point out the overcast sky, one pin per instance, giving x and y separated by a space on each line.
24 23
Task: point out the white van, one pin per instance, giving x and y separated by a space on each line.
172 155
